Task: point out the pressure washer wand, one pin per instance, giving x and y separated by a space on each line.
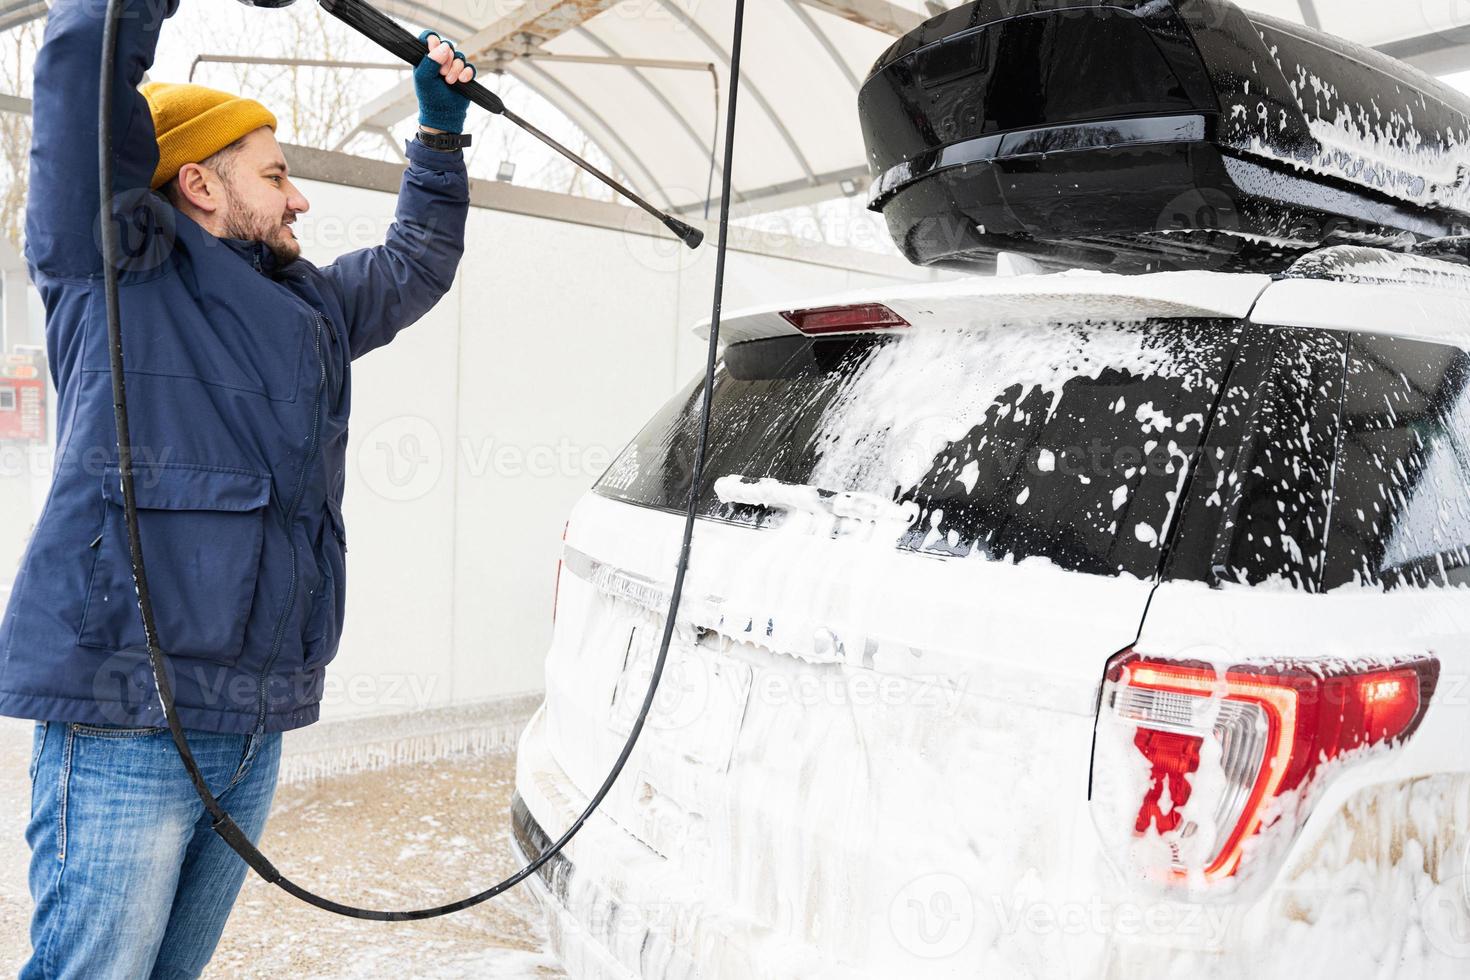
376 26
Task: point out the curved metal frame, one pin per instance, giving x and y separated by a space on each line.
653 90
429 16
751 89
626 155
816 31
706 151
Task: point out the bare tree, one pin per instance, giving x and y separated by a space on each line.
314 106
17 54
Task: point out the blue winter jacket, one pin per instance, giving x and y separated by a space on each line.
239 385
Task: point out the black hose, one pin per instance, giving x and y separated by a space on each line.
111 259
223 825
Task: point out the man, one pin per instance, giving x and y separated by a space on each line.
238 358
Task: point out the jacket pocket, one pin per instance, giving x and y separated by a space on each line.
324 625
202 532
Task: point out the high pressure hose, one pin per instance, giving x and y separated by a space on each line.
223 825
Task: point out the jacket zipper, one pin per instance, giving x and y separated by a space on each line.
290 521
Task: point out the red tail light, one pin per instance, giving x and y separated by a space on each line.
1218 751
556 592
844 319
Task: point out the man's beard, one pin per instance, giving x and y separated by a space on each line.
269 230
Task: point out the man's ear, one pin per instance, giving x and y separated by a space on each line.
200 187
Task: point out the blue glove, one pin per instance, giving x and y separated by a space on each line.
440 106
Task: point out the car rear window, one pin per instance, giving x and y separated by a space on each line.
1067 442
1401 496
1337 459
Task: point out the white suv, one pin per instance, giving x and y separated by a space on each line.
1037 626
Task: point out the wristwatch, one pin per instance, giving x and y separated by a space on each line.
444 141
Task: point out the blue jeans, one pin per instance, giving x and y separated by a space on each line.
128 879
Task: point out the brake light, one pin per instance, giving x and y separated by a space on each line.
1194 762
844 319
556 591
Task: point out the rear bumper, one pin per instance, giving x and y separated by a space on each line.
601 895
617 910
551 885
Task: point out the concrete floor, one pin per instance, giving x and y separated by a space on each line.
409 836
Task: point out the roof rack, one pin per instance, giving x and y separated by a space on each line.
1372 266
1455 248
1139 135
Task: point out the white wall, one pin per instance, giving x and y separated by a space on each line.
25 468
475 432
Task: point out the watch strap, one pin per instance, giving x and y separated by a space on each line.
444 141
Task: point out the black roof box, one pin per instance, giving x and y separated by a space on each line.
1136 135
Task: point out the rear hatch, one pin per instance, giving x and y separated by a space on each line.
927 524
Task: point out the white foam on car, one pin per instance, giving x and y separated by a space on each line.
1374 894
977 759
863 723
1371 291
1363 145
983 781
907 401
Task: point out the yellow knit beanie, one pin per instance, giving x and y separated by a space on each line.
193 123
